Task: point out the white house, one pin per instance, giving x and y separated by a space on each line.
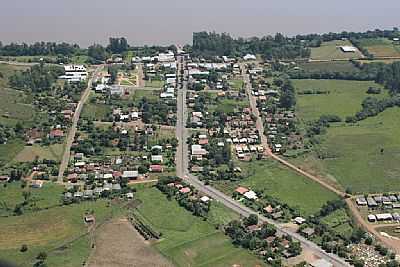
74 73
348 49
249 57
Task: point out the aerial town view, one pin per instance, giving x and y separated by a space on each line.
148 134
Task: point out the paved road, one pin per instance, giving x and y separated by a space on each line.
183 172
72 131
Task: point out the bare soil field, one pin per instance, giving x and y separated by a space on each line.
118 244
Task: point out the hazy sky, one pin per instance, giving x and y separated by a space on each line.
173 21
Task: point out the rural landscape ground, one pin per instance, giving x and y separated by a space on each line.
281 151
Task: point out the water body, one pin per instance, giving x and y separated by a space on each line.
173 21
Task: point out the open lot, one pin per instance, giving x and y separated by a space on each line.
188 240
381 47
10 150
331 50
236 84
119 244
344 98
283 184
228 105
51 152
353 156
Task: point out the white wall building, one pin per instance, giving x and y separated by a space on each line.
74 73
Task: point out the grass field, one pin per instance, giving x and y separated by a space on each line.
353 154
228 105
154 83
152 96
283 184
60 232
331 50
10 150
330 66
236 84
29 153
339 221
15 107
95 111
381 47
6 70
188 240
344 99
46 197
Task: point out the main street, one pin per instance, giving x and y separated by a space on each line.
183 172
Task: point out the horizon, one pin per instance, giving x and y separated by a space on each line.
166 23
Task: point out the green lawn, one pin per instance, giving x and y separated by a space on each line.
154 83
331 50
60 232
381 47
330 66
353 154
188 240
344 98
152 96
283 184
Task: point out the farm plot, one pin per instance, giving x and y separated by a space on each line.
189 240
283 184
331 50
381 47
363 157
340 97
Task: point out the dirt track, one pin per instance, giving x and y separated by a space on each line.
118 244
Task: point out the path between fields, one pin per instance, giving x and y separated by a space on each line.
117 243
390 242
72 131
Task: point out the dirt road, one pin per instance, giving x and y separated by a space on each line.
72 131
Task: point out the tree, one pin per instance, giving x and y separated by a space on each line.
97 52
24 248
251 220
42 256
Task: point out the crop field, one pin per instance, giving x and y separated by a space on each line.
331 50
59 231
330 66
283 184
15 107
381 47
188 240
30 153
363 157
344 98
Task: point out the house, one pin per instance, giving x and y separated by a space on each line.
156 168
130 174
361 201
89 219
129 195
371 202
371 218
249 57
250 195
56 133
198 150
384 217
299 220
185 190
308 232
156 158
205 199
241 190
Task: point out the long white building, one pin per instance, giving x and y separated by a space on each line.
74 73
